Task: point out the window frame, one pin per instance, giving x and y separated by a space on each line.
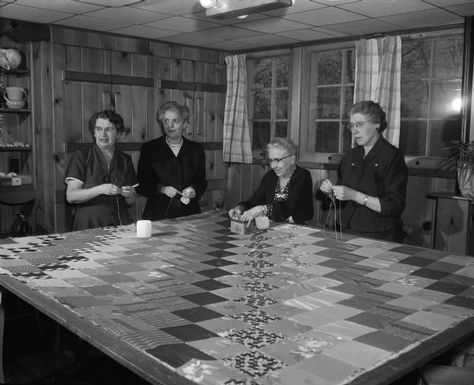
307 91
251 58
304 109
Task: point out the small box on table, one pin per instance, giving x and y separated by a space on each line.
240 227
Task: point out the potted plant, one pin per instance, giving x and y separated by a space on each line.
462 160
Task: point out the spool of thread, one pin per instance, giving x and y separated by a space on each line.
144 229
262 222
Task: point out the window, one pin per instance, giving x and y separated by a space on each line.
431 76
325 124
269 99
431 94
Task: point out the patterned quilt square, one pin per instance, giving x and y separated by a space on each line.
254 363
256 317
256 300
253 338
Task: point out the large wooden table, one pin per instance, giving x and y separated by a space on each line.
290 305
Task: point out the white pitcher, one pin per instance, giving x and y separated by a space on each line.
15 97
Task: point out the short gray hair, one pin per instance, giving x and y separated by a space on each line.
284 143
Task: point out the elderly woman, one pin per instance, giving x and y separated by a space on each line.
171 169
100 179
285 192
372 178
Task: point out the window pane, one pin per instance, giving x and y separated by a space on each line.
350 66
327 136
262 102
414 99
260 135
281 128
347 137
413 137
263 73
282 71
281 107
416 59
330 67
348 101
442 132
328 102
447 59
445 99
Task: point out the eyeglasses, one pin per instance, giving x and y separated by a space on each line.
357 124
172 122
107 130
278 160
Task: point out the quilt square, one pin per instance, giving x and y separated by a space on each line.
177 354
254 363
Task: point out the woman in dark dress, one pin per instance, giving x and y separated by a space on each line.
101 179
285 192
372 178
171 168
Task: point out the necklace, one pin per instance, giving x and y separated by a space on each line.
174 144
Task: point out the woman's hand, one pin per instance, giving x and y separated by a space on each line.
189 192
326 186
236 212
344 193
109 189
253 213
128 192
169 191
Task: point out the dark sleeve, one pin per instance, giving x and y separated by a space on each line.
149 183
299 204
393 201
259 195
130 175
199 182
77 167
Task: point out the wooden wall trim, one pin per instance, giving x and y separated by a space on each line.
193 86
92 77
135 146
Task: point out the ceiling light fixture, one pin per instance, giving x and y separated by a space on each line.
235 8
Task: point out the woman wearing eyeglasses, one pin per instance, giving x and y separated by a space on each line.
285 192
101 179
172 169
372 178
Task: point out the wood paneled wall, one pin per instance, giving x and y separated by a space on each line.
79 73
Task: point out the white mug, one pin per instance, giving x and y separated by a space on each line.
143 228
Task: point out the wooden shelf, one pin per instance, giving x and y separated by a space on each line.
15 149
15 111
17 72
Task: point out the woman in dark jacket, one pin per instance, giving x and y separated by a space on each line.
372 178
171 168
285 192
